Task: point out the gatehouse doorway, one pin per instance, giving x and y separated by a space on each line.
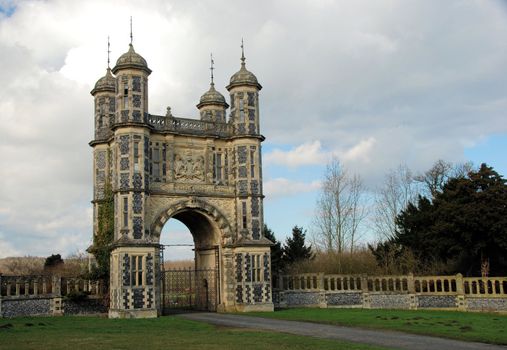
190 271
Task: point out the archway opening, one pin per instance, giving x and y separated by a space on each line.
190 241
178 246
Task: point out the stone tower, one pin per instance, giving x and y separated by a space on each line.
205 172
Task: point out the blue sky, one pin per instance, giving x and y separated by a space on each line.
376 84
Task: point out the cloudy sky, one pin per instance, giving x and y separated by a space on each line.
376 83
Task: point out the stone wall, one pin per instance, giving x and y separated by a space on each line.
49 295
26 307
392 292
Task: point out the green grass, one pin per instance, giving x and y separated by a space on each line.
482 327
162 333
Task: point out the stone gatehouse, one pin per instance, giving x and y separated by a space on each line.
204 172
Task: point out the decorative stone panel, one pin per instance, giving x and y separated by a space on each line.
112 104
136 116
100 160
138 298
124 144
255 206
390 301
302 298
242 154
248 294
487 304
248 268
137 203
257 293
239 294
136 101
344 299
136 83
254 186
126 299
27 307
243 187
242 171
137 181
251 115
256 231
124 163
265 264
137 223
124 181
239 267
126 270
124 116
149 269
251 99
436 301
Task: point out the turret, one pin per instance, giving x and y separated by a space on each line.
104 98
132 73
244 91
212 104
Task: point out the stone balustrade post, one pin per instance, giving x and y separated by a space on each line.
320 282
461 303
27 287
410 283
57 285
36 287
18 287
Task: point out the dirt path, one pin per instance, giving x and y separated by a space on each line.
389 339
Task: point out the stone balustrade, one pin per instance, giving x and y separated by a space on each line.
404 291
191 126
43 294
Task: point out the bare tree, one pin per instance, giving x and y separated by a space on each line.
434 179
390 199
340 209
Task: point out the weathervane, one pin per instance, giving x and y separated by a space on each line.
242 52
131 37
108 51
211 68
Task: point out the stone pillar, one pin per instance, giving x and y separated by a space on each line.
461 303
135 284
252 266
365 293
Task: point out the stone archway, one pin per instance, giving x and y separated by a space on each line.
205 172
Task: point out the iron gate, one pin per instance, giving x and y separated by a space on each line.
189 289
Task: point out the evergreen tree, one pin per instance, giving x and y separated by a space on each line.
464 227
53 261
295 248
277 263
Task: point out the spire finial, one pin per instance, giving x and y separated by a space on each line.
131 37
108 51
211 68
242 53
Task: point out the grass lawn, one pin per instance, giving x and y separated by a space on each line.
162 333
482 327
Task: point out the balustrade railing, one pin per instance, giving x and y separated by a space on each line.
182 125
404 284
46 286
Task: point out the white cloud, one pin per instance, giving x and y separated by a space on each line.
309 153
6 248
358 153
375 83
281 187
